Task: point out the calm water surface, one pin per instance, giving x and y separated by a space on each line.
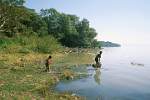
118 79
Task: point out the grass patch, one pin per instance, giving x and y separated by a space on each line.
22 75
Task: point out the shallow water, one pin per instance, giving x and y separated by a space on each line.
118 79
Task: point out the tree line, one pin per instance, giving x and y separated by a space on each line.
69 30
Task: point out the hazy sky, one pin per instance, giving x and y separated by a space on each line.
121 21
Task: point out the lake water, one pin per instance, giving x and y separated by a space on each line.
125 75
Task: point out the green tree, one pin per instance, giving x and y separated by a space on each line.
69 30
52 18
95 43
34 22
86 34
12 2
10 13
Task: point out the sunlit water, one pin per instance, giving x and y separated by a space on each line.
118 79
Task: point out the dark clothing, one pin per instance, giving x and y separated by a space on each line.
97 58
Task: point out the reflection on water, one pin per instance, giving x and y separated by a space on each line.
97 76
117 79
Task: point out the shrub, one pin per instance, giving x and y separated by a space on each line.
26 44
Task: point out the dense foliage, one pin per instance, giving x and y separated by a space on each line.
69 30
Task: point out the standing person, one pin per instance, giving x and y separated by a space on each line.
97 59
48 62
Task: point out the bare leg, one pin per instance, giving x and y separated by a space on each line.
98 64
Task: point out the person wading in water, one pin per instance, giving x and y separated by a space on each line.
97 59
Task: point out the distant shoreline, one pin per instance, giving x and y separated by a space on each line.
109 44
